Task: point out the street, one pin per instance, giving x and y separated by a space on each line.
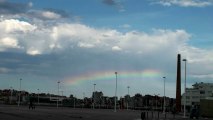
52 113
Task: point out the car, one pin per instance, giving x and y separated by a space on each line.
194 113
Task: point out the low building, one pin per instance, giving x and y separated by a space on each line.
194 95
206 107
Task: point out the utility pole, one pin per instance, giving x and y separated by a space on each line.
184 109
116 90
164 99
58 94
19 98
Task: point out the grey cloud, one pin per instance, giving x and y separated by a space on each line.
40 14
185 3
7 7
109 2
11 8
115 3
62 13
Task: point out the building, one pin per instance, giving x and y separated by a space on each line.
194 95
206 107
97 98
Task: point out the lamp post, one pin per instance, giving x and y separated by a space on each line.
84 98
156 100
94 97
19 98
83 95
164 101
74 101
62 93
58 93
128 99
116 73
184 109
38 96
11 94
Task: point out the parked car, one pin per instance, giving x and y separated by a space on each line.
194 113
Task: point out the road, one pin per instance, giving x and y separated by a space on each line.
52 113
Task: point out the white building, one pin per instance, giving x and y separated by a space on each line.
195 94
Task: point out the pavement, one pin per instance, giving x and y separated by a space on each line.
12 112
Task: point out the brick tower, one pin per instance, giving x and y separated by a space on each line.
178 84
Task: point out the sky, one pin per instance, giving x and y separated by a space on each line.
84 42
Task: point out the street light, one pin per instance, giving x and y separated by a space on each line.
11 94
185 60
83 95
74 101
116 73
164 102
94 97
84 98
58 93
128 99
156 100
19 98
38 96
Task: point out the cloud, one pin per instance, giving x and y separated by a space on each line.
4 70
109 2
115 3
185 3
85 45
44 40
32 51
125 26
13 8
116 48
80 43
30 4
50 15
14 25
64 49
24 11
198 61
207 76
9 42
47 14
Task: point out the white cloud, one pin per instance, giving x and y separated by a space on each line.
208 76
33 51
140 42
50 15
197 55
186 3
13 25
4 70
44 39
7 43
60 37
63 36
116 48
30 4
107 39
85 45
125 26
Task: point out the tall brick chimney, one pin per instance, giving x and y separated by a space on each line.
178 84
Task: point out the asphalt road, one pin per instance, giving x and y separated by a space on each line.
53 113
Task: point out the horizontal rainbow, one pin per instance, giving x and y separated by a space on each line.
110 75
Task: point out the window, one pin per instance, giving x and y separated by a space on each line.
187 97
202 92
195 97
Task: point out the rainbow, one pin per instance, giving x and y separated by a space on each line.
110 75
